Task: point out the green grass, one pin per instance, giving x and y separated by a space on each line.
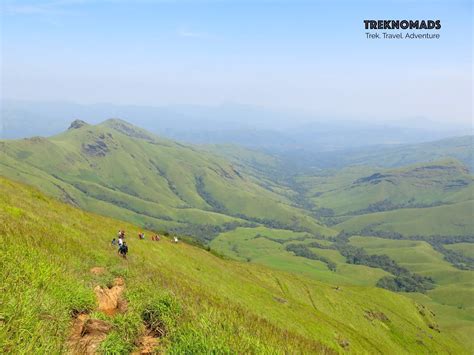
356 189
464 248
245 244
455 219
164 185
453 294
121 171
210 304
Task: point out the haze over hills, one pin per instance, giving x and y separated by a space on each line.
395 218
386 156
246 125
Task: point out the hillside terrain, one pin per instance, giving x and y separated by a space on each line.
122 171
363 190
184 297
372 226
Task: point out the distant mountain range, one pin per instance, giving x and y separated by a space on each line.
119 169
250 126
397 217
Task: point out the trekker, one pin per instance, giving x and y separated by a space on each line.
123 250
114 242
120 243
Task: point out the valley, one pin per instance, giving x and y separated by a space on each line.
407 227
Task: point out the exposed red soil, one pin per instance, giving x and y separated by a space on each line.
148 344
87 334
110 299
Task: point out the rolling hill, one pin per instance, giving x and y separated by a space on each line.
56 260
350 227
361 190
122 171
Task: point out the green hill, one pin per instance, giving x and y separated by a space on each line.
449 220
122 171
176 297
357 191
416 222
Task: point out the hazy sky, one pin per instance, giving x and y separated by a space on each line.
307 55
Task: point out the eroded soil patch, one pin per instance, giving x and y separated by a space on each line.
148 344
87 334
110 300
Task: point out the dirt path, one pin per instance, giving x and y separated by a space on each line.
87 334
110 299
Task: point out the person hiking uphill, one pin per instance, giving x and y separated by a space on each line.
123 250
120 243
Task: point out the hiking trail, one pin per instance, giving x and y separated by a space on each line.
87 334
110 298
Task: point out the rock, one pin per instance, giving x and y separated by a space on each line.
77 124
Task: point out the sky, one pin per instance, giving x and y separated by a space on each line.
310 56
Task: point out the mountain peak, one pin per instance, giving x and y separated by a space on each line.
128 129
77 124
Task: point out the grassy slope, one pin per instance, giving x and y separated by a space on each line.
146 178
464 248
48 248
455 219
356 188
247 244
451 299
